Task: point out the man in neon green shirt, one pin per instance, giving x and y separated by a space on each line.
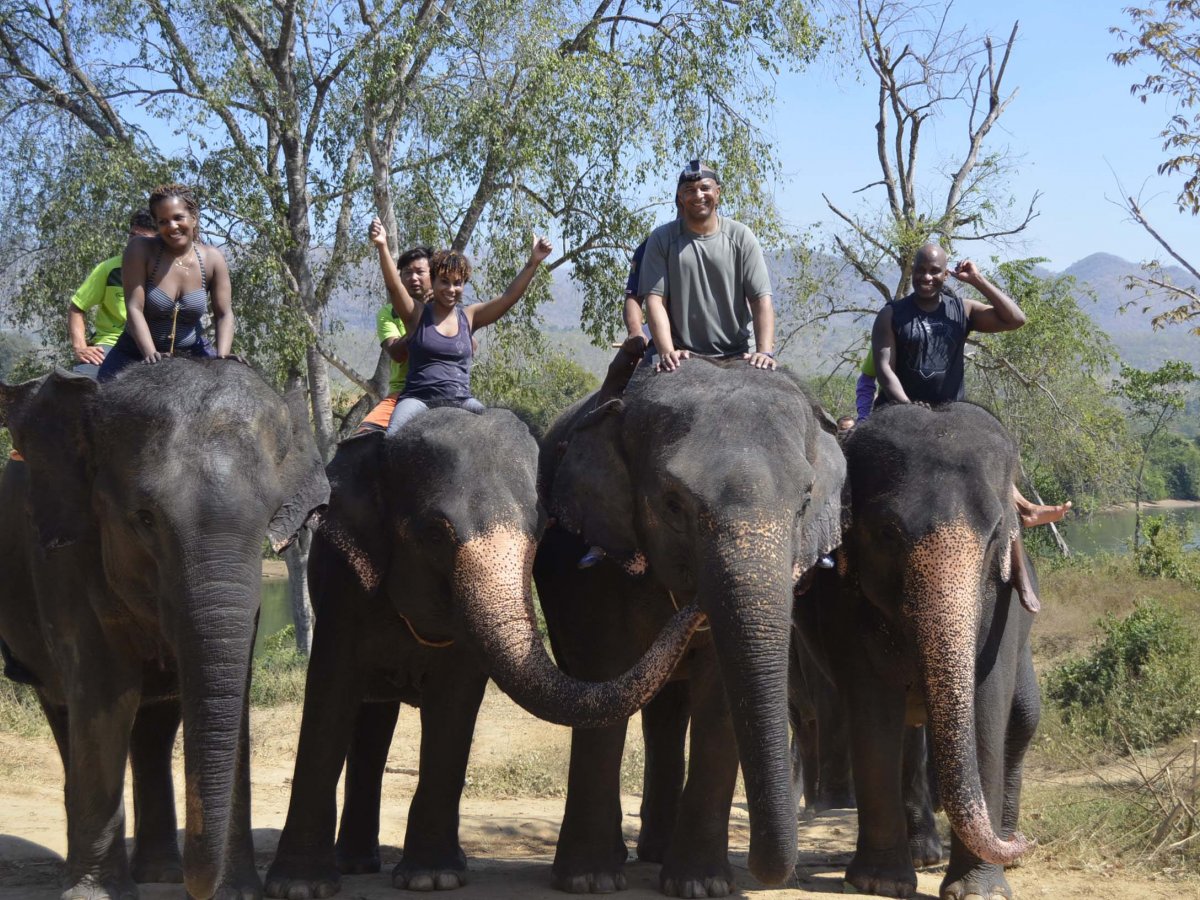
389 328
102 289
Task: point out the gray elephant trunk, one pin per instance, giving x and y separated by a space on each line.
942 599
492 586
747 596
215 641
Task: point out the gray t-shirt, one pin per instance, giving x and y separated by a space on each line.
706 282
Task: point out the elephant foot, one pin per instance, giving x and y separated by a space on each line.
242 883
591 882
156 864
89 889
925 849
302 880
984 882
887 874
430 872
364 862
652 844
697 880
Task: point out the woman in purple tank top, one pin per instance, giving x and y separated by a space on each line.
439 349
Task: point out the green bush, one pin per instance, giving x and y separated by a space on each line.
279 671
1163 551
1141 685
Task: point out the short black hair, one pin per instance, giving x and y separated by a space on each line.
411 256
141 218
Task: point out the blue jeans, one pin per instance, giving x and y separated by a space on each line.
117 359
408 407
91 370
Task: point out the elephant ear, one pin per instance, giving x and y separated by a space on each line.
47 420
354 525
306 489
592 493
821 531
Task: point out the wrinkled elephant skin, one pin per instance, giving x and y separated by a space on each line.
718 485
420 577
926 628
132 560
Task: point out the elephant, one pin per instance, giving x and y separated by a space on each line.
133 565
717 484
420 578
925 629
820 735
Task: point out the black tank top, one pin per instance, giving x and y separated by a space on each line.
930 348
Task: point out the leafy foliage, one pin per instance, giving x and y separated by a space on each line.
1141 684
1164 553
278 671
1167 35
537 384
1047 382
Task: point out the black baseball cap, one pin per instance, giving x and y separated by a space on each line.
695 170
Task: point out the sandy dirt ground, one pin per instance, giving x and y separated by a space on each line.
509 840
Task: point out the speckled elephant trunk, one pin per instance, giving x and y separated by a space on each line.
217 628
745 590
491 580
942 600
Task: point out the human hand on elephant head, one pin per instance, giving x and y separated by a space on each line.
760 360
155 356
670 360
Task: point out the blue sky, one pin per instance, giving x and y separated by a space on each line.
1072 126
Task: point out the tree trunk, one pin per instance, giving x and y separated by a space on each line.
296 557
322 404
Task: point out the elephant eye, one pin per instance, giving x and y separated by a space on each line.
145 518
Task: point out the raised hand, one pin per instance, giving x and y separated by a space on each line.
967 272
541 249
377 233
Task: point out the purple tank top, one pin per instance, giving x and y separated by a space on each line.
439 367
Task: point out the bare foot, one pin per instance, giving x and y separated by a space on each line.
1038 514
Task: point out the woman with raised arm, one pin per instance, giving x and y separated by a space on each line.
439 349
170 280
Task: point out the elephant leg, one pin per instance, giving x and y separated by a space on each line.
882 862
357 848
664 730
305 864
697 862
591 846
835 783
924 842
156 855
97 749
433 858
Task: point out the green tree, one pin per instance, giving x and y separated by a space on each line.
1153 398
1166 37
1047 381
469 121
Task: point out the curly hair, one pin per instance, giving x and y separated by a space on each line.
450 263
183 193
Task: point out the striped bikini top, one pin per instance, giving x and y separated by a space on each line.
181 315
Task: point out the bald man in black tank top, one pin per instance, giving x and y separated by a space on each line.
919 346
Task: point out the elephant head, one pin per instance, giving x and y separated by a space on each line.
720 483
929 527
444 519
167 480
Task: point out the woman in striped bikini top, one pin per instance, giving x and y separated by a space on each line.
167 280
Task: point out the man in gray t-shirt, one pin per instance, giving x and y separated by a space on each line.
705 280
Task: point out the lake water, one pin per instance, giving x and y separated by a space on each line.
1112 532
1109 532
276 613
